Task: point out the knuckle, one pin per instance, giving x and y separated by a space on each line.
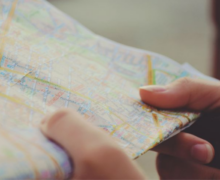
215 175
57 117
185 81
188 85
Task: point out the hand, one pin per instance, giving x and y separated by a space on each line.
183 156
94 153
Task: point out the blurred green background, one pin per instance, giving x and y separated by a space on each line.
179 29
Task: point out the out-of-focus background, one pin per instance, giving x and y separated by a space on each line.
179 29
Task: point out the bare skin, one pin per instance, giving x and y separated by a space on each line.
185 155
96 156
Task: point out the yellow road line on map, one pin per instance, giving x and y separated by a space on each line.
124 122
5 28
150 73
44 81
156 143
117 128
157 124
56 85
12 71
59 174
26 153
69 90
18 101
171 113
150 109
144 106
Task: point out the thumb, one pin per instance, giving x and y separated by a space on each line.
94 153
184 93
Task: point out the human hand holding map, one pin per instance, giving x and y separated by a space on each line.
50 61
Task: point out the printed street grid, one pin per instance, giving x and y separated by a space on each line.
49 61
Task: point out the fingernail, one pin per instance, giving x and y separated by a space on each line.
154 88
202 152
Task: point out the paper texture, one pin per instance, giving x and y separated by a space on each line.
49 61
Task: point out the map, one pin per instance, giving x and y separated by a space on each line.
48 61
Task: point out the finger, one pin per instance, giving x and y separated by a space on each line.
94 153
173 168
188 147
190 93
68 128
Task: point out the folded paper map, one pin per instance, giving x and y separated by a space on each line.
49 61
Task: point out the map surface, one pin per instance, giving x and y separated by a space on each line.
49 61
